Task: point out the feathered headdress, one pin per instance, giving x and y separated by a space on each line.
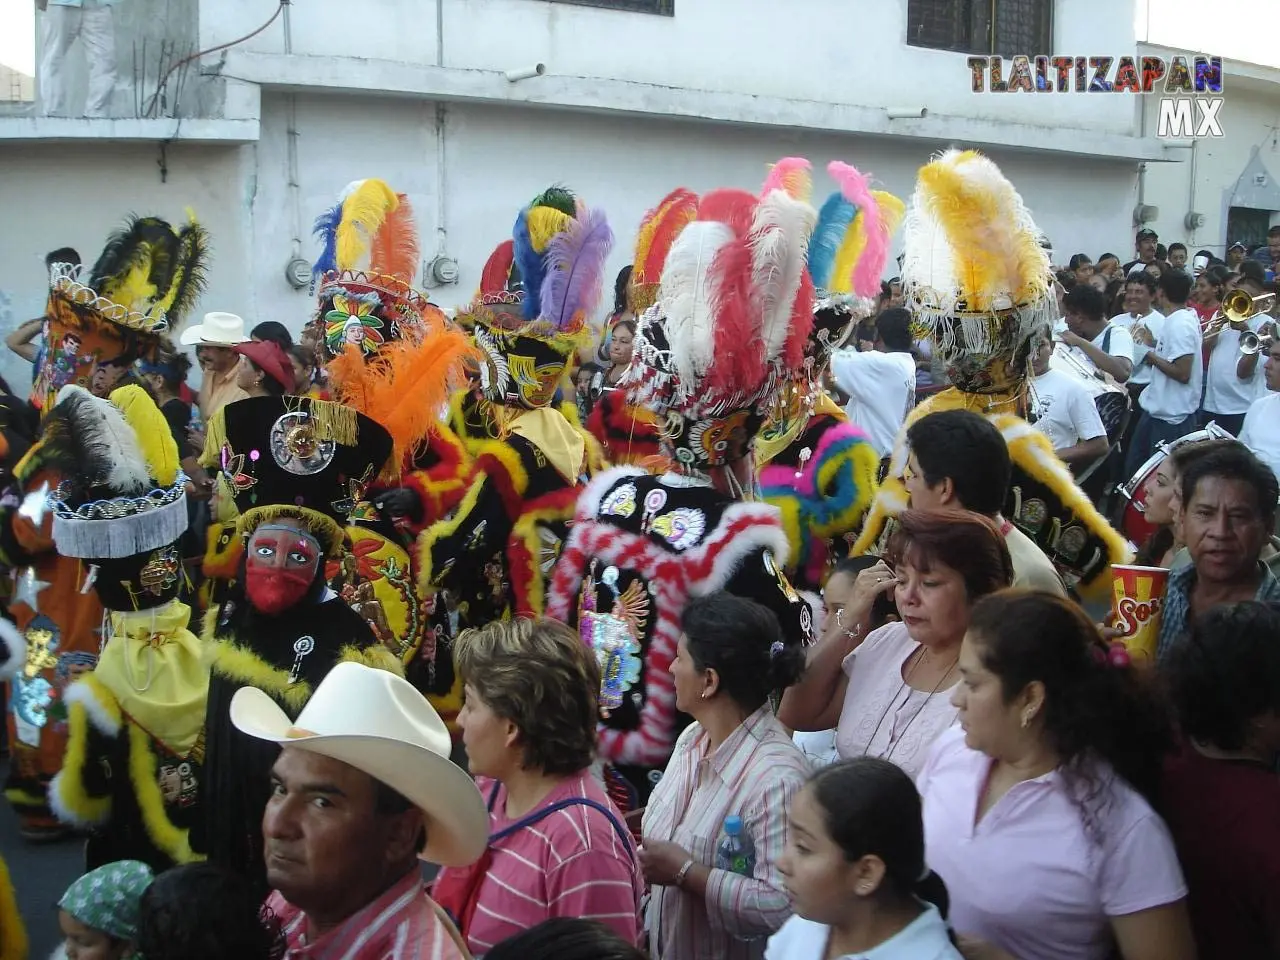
368 260
732 313
974 272
658 231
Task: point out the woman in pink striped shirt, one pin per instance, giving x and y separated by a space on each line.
558 846
735 760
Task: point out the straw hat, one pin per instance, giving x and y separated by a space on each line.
381 725
218 329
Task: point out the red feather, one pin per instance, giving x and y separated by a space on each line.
739 350
493 278
660 228
394 250
801 323
734 207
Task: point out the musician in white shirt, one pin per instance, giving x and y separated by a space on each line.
1139 290
1108 347
1062 408
1233 381
1261 430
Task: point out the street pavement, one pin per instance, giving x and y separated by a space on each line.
41 873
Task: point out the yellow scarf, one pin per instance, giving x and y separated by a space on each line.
550 432
152 664
768 447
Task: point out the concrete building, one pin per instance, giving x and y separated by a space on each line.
472 106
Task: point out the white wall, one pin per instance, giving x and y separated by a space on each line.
822 50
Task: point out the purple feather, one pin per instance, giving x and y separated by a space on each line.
575 269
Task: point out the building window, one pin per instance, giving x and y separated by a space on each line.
1003 27
1249 226
664 8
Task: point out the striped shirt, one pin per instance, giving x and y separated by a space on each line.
399 925
754 774
573 863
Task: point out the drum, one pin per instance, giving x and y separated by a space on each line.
1111 398
1132 507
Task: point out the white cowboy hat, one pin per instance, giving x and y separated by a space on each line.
218 329
381 725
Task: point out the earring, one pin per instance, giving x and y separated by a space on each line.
704 695
1026 720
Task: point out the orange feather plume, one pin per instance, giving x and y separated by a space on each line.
404 386
394 250
659 230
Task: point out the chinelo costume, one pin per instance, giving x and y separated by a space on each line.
726 331
298 468
135 746
392 356
147 278
977 281
628 434
815 467
493 557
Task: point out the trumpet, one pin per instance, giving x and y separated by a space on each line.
1237 306
1251 343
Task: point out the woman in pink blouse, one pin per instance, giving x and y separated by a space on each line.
1032 810
734 760
888 695
558 846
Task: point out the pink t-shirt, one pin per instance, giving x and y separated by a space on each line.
570 864
882 715
1029 877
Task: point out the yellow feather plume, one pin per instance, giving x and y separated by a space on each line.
152 429
545 223
363 212
855 241
892 210
133 290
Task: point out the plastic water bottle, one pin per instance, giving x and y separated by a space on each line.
734 850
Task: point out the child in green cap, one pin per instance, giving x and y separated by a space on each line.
99 912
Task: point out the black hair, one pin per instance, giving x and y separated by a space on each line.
742 641
1234 461
882 608
1143 278
270 384
1274 230
1177 246
62 255
1078 260
1161 251
172 366
1253 270
1208 255
389 802
1092 708
1065 277
620 286
893 327
629 324
1175 284
274 331
1084 298
870 807
205 912
566 938
1227 673
967 448
590 367
1218 275
1107 256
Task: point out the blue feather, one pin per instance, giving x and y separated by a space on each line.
530 264
834 220
326 228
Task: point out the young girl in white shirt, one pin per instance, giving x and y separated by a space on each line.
854 868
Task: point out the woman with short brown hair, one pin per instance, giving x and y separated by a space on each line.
528 723
888 694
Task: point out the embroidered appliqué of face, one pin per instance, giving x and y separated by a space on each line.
296 447
535 385
682 527
621 501
351 321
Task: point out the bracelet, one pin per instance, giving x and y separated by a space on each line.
683 872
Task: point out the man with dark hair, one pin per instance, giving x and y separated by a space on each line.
958 460
1146 242
1269 253
1232 379
1092 337
881 382
1261 430
1178 257
1228 509
1235 254
23 340
1170 403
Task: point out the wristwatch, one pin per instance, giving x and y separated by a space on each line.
683 872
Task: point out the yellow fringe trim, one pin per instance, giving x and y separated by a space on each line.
378 657
146 789
13 934
71 795
325 528
336 422
442 530
215 438
237 663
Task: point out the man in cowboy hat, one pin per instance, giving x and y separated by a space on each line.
363 787
213 340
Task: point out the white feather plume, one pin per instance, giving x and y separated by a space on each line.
108 444
779 240
687 296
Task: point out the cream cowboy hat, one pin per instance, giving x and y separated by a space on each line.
381 725
218 329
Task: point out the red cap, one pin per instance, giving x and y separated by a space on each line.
271 360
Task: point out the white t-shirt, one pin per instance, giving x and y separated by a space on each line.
1261 431
924 938
1224 392
1152 321
881 389
1167 399
1063 410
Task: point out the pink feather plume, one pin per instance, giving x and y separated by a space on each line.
856 188
790 174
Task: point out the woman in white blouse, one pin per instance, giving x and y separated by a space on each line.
891 692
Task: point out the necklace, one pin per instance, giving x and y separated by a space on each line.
895 740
